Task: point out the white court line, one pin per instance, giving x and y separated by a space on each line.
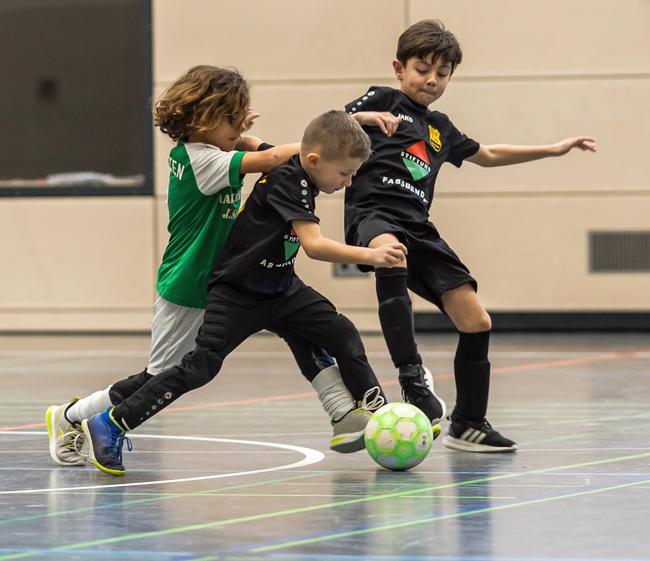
311 457
282 354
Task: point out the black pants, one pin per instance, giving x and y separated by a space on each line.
230 318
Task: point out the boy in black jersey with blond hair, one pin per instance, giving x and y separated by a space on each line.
390 202
254 286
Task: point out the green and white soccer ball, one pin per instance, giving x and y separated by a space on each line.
398 436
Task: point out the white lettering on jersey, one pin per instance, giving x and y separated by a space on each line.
405 185
406 118
229 198
176 168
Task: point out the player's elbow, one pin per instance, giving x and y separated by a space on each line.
270 161
311 250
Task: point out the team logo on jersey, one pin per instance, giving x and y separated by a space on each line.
416 160
262 180
291 244
434 138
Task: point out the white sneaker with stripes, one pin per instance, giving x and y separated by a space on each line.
467 436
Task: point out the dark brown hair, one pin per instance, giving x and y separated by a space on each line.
429 37
337 135
200 99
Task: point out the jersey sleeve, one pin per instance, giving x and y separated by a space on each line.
215 169
461 146
375 99
292 201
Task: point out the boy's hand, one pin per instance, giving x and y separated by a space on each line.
387 122
247 143
388 255
248 120
582 142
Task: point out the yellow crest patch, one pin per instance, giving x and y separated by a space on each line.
434 138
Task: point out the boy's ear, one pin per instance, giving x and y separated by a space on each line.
398 67
313 158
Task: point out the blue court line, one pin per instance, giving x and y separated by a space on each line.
362 557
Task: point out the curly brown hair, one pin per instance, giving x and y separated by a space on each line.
200 99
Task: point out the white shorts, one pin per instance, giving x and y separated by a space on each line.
173 333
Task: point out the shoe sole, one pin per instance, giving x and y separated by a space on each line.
91 453
52 439
348 443
464 446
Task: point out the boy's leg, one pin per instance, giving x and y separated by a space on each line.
226 324
322 372
469 428
308 313
396 318
173 333
319 368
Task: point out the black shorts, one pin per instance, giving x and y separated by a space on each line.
433 267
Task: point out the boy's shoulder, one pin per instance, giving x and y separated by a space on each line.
286 174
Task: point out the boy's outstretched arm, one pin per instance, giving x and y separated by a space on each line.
323 249
507 154
266 160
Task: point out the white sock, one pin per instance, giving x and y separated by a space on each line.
88 406
332 392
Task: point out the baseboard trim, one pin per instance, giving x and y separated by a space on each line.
545 321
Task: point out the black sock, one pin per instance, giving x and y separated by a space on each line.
395 315
472 373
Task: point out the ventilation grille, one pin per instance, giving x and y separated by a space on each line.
619 252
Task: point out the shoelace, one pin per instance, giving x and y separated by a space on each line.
70 438
372 399
119 442
78 444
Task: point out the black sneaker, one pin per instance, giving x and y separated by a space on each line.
417 389
467 436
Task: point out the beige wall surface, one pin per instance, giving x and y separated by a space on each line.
532 73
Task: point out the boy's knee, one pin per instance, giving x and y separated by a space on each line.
478 324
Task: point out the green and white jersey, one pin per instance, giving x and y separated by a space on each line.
203 199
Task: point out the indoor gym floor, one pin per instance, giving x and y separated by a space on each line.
240 469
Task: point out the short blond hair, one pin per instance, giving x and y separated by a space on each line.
336 135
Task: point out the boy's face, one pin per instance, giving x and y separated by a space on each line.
330 175
424 80
223 136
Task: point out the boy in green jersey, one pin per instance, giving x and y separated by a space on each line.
205 111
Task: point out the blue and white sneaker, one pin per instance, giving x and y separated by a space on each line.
105 438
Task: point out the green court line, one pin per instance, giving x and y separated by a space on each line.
301 510
340 535
155 498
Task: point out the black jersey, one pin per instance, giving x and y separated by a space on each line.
259 255
398 180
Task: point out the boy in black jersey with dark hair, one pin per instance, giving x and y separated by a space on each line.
254 286
390 202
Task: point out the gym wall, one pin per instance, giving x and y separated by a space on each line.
533 73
